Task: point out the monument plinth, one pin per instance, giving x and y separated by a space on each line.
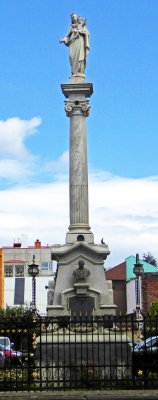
91 293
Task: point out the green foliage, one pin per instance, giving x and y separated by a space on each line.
20 324
148 257
151 322
153 310
15 312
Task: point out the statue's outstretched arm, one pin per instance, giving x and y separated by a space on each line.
66 38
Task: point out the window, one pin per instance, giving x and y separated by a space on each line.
19 270
8 270
46 266
19 291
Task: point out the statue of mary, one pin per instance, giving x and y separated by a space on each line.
77 39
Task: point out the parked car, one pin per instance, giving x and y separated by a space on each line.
2 359
5 341
145 356
14 356
11 356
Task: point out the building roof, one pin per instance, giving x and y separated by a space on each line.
130 261
25 247
15 261
124 271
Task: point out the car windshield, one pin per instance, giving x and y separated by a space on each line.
148 342
4 341
2 347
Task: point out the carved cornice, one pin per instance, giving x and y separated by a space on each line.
85 89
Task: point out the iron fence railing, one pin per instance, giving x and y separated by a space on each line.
78 352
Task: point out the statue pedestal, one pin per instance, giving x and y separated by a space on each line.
94 294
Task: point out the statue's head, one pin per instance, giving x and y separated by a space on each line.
74 17
81 21
81 263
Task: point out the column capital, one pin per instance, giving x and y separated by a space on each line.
77 108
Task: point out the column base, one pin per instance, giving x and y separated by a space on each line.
79 234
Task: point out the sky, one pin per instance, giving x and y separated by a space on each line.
122 129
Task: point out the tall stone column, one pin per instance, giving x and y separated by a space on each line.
77 109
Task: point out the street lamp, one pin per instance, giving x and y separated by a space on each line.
33 271
138 271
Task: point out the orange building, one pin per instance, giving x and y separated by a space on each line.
1 278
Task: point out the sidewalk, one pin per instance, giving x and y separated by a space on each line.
83 395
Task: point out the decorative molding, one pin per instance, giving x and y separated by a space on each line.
79 107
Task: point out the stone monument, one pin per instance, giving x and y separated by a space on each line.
80 285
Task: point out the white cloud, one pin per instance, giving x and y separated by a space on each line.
126 211
13 133
15 170
17 163
58 168
123 211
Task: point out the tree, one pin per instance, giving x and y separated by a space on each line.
148 257
19 323
153 310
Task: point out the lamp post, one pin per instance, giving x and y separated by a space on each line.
138 271
33 271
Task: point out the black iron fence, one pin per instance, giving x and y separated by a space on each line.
78 353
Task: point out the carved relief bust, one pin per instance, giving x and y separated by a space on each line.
81 273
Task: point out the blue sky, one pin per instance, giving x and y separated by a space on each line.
122 127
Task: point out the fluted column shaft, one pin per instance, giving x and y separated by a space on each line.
77 109
79 214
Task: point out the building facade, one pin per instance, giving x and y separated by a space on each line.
124 287
149 290
17 283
